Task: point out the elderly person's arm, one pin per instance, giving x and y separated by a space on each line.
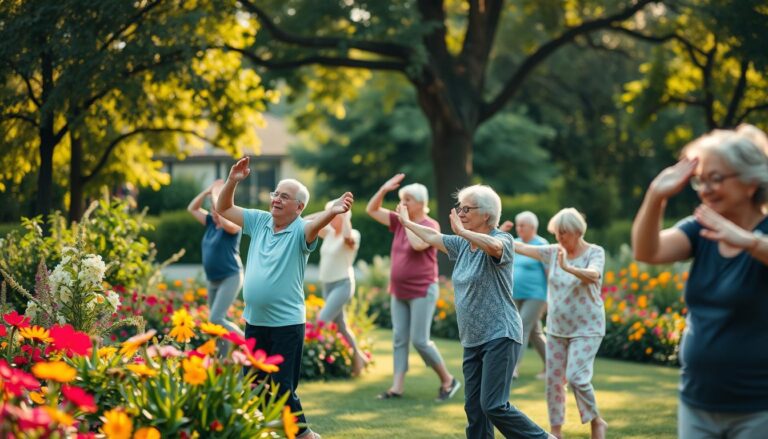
587 275
346 232
225 205
229 226
416 243
650 243
341 205
430 236
374 208
531 251
195 206
485 242
721 229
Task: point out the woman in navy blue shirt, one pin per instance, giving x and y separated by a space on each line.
724 389
221 257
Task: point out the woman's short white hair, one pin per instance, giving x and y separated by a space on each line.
302 193
486 199
419 193
567 220
745 150
527 217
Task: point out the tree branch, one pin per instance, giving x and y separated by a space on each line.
545 50
113 144
20 116
381 48
738 94
398 66
749 110
130 22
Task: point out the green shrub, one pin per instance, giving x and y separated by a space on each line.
175 196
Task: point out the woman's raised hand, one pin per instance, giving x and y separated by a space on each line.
240 170
718 228
393 183
402 213
456 225
673 179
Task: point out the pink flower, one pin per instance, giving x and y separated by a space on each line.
15 380
79 398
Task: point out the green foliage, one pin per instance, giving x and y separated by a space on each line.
175 196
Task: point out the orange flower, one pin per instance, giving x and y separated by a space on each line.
162 286
147 433
130 346
59 417
189 296
202 292
177 283
213 329
642 301
141 370
261 361
36 333
208 348
194 371
55 371
311 288
117 424
289 423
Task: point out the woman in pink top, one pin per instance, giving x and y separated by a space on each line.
413 286
575 319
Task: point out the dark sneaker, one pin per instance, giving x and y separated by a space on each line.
446 394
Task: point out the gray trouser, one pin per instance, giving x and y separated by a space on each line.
221 294
412 320
693 423
487 378
531 311
336 295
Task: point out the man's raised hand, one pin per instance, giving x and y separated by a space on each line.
240 170
343 203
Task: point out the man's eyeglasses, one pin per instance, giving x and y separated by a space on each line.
464 209
282 196
713 181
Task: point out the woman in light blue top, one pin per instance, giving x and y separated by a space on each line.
530 287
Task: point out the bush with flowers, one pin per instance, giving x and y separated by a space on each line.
645 313
143 387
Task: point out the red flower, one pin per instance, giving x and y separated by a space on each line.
32 352
3 332
151 300
16 380
16 320
80 398
66 339
238 339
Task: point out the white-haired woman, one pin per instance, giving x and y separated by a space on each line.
724 391
413 286
490 329
530 288
337 277
575 317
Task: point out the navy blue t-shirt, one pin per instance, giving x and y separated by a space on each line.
724 352
221 252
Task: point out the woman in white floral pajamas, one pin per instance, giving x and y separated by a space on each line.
575 319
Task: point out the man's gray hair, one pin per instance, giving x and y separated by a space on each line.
419 193
486 199
302 193
527 217
568 220
745 150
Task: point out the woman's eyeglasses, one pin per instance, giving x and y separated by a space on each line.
713 181
464 209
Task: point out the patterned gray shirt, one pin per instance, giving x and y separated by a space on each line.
483 289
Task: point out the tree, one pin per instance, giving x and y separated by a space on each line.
85 81
443 48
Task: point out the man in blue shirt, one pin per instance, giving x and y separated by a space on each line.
274 274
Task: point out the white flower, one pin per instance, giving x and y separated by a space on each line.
114 299
92 271
65 294
59 277
32 310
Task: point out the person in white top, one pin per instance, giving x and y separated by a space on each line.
337 276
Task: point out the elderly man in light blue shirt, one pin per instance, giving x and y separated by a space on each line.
274 274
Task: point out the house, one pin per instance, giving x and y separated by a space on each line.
267 168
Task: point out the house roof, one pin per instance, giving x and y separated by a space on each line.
275 139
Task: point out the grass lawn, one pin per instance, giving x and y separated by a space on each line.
638 401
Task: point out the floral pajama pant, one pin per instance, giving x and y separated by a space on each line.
571 360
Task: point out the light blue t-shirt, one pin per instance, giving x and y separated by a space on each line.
482 285
530 274
273 289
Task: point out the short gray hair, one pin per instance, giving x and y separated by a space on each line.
568 220
527 217
745 150
419 193
302 193
487 200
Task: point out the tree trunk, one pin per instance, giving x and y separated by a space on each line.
76 182
47 144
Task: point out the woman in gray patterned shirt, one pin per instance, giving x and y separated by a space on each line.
489 324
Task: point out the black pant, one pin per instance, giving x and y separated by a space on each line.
287 341
487 377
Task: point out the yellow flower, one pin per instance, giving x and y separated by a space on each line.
177 283
622 305
642 301
130 346
208 348
610 277
182 326
653 283
147 433
635 286
442 315
189 296
213 329
289 423
36 333
648 351
37 397
141 370
680 286
440 303
194 371
106 352
162 286
664 277
645 276
117 424
59 417
202 292
54 370
615 318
